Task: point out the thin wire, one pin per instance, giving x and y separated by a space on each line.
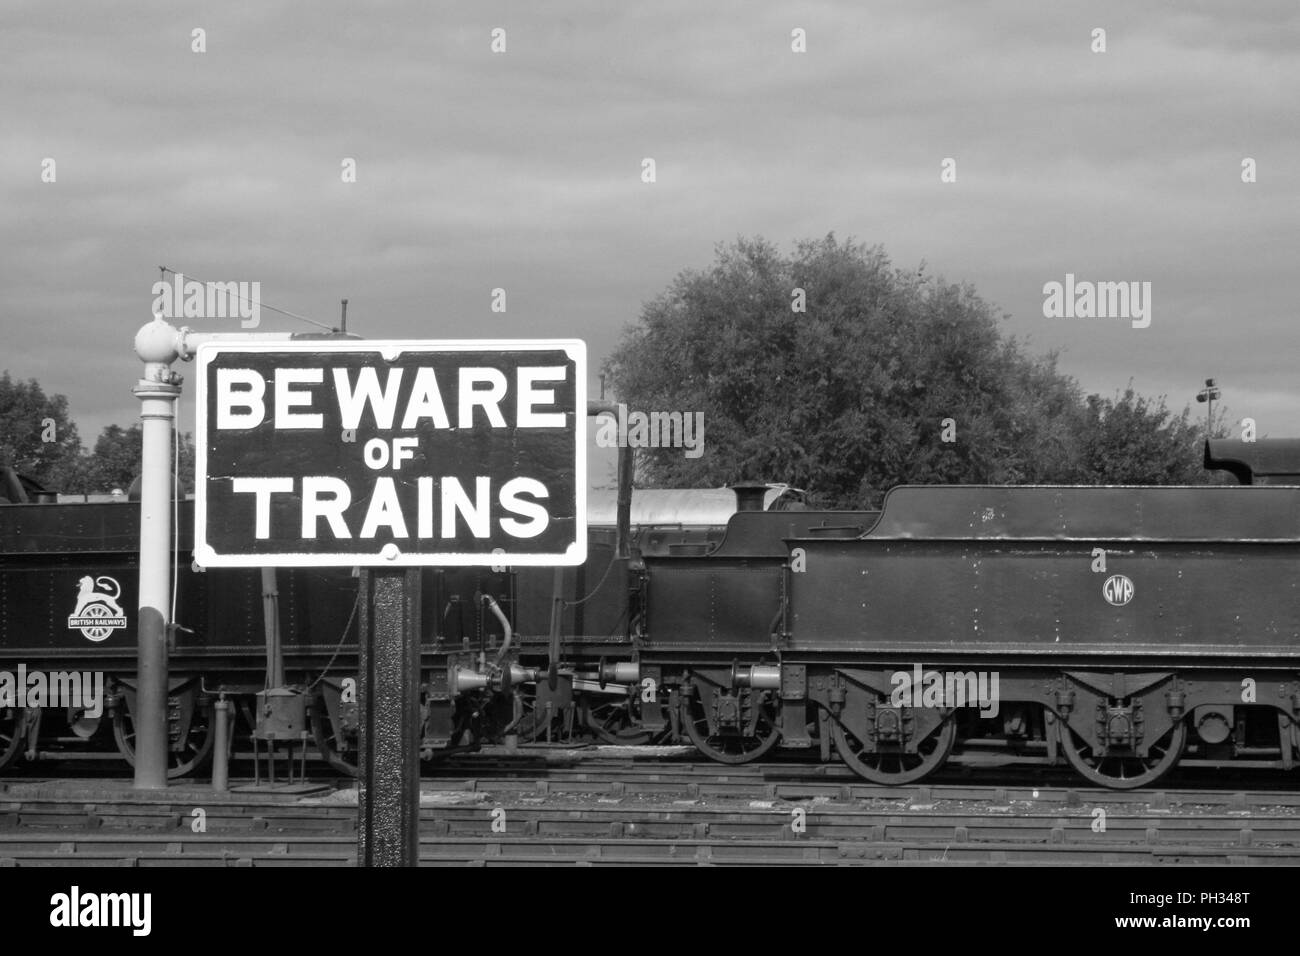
339 646
592 593
292 315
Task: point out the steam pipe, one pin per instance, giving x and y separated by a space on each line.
505 624
557 622
221 746
623 528
271 628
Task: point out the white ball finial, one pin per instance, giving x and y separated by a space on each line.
156 342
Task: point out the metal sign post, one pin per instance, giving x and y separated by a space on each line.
391 457
388 795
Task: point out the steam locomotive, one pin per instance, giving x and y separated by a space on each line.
1120 631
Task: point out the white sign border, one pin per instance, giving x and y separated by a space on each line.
206 557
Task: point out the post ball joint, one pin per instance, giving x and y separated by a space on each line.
157 342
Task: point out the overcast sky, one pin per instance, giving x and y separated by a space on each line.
522 169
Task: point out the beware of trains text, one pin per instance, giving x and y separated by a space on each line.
391 453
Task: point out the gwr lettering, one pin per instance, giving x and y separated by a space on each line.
328 498
241 398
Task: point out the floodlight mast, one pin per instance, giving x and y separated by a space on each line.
158 344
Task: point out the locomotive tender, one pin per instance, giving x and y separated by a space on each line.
1118 630
1121 630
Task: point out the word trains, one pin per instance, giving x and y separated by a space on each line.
327 498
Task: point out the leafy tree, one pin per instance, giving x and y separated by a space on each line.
1133 440
888 377
115 462
37 437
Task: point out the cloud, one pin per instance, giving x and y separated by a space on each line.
521 170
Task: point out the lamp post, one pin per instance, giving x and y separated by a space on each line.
1208 395
159 344
158 391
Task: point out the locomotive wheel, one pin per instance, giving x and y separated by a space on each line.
1125 771
11 734
613 722
197 748
322 733
894 767
729 748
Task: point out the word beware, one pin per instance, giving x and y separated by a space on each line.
241 395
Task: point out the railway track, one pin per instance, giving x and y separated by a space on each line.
589 810
573 772
676 768
148 851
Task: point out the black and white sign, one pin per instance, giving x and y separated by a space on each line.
386 454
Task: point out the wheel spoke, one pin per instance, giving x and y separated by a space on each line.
615 722
196 748
1125 771
10 738
730 747
893 766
